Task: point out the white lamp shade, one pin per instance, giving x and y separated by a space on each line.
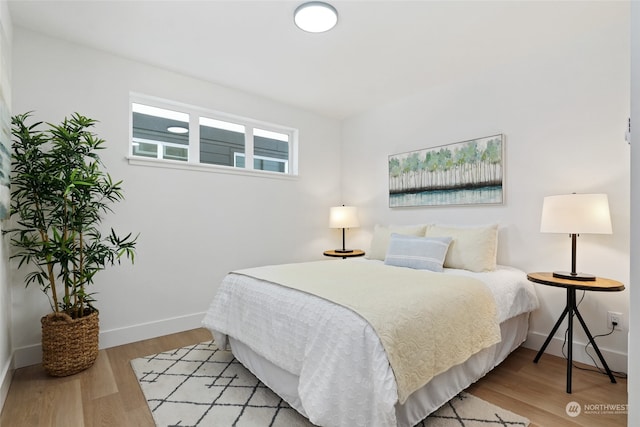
343 217
315 17
576 214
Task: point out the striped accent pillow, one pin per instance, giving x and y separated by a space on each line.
422 253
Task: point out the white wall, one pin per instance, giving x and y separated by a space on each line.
6 350
194 226
634 332
563 112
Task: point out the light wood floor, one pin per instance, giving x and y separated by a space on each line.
108 394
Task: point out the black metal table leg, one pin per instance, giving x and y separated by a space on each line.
571 307
553 331
568 311
595 346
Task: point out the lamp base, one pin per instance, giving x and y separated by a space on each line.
343 251
584 277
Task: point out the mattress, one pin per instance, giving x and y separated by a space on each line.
341 373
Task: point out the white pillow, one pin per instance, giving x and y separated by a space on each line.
422 253
382 236
472 248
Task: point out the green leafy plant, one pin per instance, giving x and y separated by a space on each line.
59 194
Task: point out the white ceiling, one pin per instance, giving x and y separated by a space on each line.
378 52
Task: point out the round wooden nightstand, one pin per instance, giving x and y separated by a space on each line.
599 285
333 253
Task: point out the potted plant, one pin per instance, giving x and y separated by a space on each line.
59 194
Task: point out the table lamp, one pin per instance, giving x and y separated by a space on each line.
343 217
574 214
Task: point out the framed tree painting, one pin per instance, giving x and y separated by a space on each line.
465 173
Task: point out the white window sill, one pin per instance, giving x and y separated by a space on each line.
203 167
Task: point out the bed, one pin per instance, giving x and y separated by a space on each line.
342 363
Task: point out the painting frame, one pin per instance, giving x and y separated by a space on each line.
465 173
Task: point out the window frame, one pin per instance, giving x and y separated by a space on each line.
193 148
160 152
258 157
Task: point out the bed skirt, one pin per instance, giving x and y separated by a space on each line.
423 401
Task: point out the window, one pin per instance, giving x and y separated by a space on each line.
165 131
159 133
270 150
220 141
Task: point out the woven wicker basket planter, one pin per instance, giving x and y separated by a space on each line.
69 345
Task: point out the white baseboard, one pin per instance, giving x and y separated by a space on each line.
32 354
5 381
616 360
143 331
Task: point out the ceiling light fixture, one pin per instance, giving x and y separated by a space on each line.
177 129
315 17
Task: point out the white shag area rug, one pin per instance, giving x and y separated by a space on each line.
200 385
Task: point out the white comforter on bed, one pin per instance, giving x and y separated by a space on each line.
345 377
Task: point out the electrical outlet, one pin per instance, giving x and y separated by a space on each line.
616 317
